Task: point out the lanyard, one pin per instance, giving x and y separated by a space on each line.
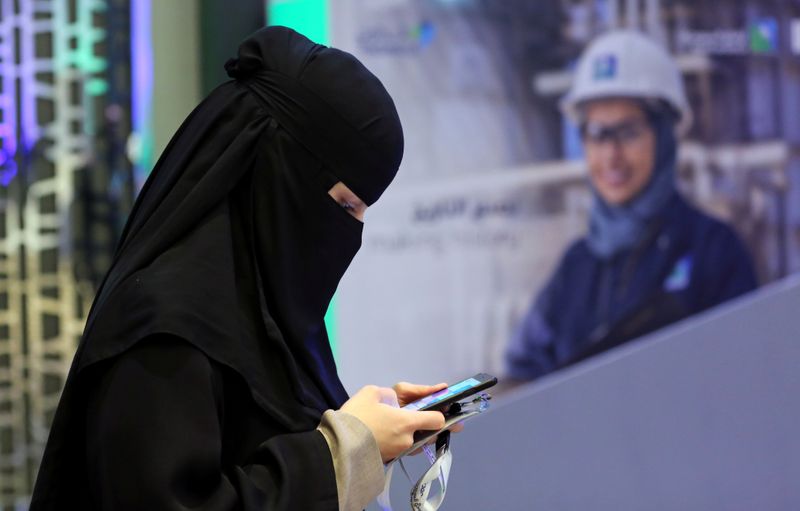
441 459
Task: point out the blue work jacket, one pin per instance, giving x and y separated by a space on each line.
687 262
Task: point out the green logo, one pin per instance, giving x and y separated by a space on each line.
763 35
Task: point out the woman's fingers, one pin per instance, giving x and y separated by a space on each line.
408 392
388 396
426 420
412 388
392 427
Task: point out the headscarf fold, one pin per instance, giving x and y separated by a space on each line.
352 134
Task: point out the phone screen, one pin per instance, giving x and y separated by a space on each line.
444 394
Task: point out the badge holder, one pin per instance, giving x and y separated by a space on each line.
441 456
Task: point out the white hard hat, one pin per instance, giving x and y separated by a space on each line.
627 64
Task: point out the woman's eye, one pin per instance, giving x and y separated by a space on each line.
346 205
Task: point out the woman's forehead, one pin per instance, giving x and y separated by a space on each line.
613 109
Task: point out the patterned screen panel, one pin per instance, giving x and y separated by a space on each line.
66 184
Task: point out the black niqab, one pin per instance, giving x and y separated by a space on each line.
234 244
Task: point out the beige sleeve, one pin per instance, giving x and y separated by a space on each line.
356 459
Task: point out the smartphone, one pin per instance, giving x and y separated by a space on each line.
442 400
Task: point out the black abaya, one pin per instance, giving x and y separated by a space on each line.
170 429
234 248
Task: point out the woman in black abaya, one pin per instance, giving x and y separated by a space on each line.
204 378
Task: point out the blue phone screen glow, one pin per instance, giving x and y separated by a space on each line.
443 394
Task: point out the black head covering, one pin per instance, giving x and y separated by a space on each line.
234 244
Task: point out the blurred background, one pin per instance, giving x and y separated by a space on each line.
491 191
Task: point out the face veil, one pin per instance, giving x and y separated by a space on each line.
234 244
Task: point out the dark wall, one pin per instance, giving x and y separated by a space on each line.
223 25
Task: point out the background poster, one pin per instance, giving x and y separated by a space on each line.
492 189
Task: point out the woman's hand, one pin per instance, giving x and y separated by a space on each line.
409 392
392 427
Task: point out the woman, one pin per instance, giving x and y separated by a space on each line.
649 258
204 378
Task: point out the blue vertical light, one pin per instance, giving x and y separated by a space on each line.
142 88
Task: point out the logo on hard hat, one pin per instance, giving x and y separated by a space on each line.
764 35
605 67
